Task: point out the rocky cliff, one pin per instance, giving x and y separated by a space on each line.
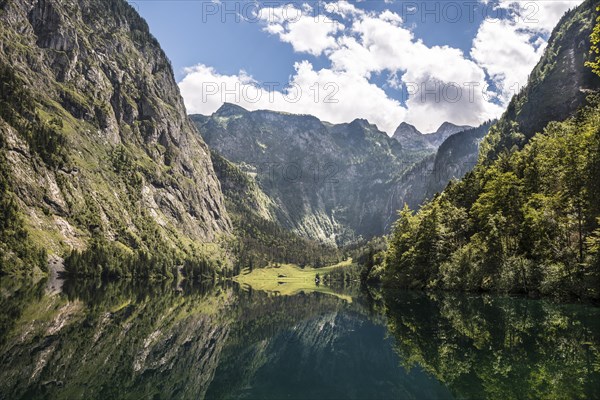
455 158
333 183
95 133
411 138
558 85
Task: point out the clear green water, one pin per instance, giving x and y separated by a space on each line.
113 341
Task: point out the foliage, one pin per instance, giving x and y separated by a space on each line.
497 347
369 257
526 223
343 279
111 260
594 64
17 254
260 241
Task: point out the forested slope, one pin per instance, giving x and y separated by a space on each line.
95 143
526 220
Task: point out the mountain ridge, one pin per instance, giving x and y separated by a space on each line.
95 133
410 137
325 203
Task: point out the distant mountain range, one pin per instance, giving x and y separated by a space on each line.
412 139
333 183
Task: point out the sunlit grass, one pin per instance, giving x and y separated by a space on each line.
289 279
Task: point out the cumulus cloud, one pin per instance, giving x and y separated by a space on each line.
507 54
443 83
538 15
378 43
329 95
306 31
459 94
508 48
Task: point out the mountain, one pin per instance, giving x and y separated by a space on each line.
455 157
413 140
527 218
445 130
333 183
410 137
558 85
261 239
95 139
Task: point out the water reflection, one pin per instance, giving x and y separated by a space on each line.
497 347
120 340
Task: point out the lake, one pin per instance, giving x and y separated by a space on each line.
94 340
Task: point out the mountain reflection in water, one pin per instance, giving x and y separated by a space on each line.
118 340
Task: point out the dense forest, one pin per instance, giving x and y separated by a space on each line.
527 218
505 225
526 223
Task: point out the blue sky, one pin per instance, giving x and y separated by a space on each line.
423 62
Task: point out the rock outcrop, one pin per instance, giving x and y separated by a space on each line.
95 131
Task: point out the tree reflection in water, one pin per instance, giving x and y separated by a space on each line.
121 340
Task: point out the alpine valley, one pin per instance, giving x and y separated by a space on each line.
148 253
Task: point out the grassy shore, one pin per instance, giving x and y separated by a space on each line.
289 279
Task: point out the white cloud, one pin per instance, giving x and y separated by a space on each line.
458 93
507 54
538 15
445 85
381 43
201 84
352 56
312 34
329 95
342 8
389 16
508 49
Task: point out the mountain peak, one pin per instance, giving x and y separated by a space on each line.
447 129
406 125
360 122
406 130
229 109
446 125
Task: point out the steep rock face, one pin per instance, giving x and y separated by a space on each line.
123 159
456 157
262 238
557 86
327 182
411 188
560 71
410 137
